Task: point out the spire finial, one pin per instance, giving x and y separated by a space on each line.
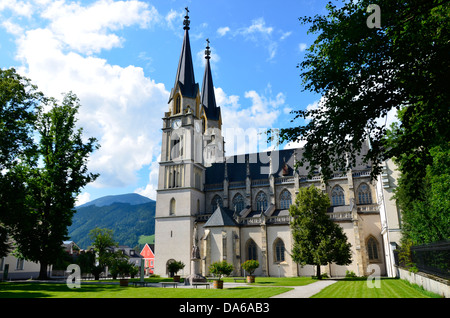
207 51
186 21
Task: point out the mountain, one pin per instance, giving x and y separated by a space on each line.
131 198
130 216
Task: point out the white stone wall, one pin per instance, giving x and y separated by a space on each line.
29 270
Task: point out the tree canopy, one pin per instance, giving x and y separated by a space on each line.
42 172
19 100
317 239
363 73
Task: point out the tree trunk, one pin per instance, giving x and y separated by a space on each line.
319 276
43 271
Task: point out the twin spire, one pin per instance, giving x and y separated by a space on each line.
185 78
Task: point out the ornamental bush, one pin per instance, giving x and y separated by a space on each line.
175 266
250 266
221 269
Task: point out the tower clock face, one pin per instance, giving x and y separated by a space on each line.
176 124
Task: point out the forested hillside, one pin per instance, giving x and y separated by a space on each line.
129 221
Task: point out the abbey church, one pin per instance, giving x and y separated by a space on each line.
212 208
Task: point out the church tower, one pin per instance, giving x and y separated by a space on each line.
180 196
211 117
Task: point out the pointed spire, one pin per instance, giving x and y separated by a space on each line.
185 73
186 21
208 97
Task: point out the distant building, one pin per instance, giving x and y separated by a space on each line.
134 258
71 248
149 259
12 268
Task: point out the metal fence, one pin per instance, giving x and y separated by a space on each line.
432 258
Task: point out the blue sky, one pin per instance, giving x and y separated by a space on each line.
120 58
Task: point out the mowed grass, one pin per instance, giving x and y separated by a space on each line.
277 281
389 288
56 290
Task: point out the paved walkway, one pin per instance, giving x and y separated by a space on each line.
307 290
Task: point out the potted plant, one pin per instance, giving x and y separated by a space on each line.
220 269
250 266
173 268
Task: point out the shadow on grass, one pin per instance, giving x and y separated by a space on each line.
45 290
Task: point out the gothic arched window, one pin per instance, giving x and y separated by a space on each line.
261 202
372 248
178 105
337 196
251 250
172 206
238 202
285 200
279 250
216 201
364 194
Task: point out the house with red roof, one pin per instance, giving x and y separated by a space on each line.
149 259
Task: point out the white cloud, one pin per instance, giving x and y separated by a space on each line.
88 29
20 8
251 120
149 190
262 34
83 198
285 35
12 28
262 112
222 31
120 106
258 26
302 47
287 110
174 16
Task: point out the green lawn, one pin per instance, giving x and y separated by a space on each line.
278 281
54 290
264 287
389 288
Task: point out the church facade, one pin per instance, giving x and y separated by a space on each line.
213 208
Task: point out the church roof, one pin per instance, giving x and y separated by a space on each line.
283 162
258 166
208 97
185 78
221 217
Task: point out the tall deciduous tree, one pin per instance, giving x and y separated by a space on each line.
317 239
363 72
19 100
102 240
53 182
